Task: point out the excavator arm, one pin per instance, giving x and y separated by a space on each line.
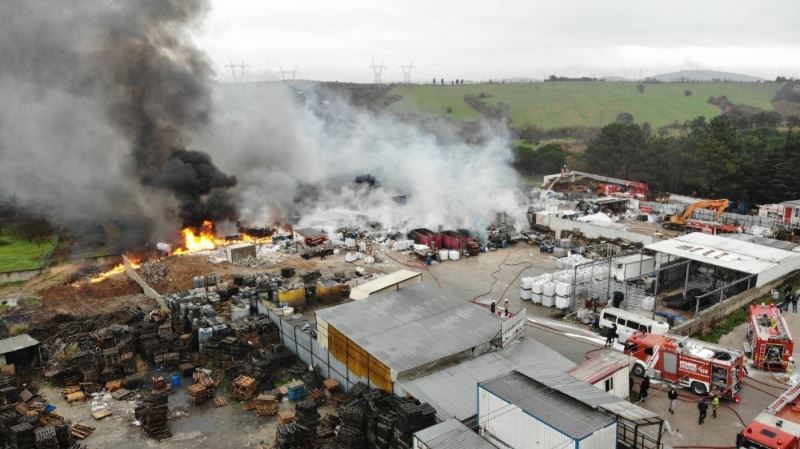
720 206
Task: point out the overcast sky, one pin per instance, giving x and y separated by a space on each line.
478 40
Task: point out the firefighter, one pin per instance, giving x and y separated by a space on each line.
714 405
702 406
644 387
493 307
612 334
789 368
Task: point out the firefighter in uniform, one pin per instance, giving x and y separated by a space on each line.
789 368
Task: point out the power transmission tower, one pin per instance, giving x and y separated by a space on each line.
289 75
232 66
406 68
377 70
242 66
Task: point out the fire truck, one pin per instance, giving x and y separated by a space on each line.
768 337
777 427
700 366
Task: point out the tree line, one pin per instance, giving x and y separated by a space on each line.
720 158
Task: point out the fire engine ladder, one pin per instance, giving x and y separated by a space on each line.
789 396
651 362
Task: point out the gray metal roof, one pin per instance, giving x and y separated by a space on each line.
549 405
17 343
780 244
451 391
411 327
451 434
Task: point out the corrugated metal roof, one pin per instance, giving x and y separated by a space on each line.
17 343
451 391
364 290
549 405
451 434
780 244
723 252
410 327
600 367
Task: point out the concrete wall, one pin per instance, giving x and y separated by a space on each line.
712 315
593 231
20 276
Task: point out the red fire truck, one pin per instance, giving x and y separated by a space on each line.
700 366
768 337
777 427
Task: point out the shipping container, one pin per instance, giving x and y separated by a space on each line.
427 237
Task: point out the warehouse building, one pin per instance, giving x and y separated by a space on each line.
764 263
451 390
402 334
523 413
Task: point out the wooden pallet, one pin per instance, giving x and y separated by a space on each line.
220 402
80 432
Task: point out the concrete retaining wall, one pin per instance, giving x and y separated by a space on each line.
714 314
593 231
21 275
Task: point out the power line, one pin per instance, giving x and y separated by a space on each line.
377 71
289 75
406 69
232 66
242 66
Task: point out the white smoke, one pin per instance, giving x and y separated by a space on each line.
275 146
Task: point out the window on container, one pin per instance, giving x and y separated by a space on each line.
633 325
609 384
621 321
611 317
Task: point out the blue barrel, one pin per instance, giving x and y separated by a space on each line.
176 380
429 260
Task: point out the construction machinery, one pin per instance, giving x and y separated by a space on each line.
679 222
700 366
608 186
768 337
777 427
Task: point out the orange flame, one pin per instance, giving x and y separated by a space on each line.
199 240
116 270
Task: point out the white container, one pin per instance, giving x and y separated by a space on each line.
538 286
563 302
560 252
548 301
549 289
454 255
565 243
239 311
350 243
527 283
350 257
546 276
536 298
524 294
563 289
443 254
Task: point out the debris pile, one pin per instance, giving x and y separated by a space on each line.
154 272
380 419
152 412
244 388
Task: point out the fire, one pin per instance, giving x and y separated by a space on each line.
135 263
198 240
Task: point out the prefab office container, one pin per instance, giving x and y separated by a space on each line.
526 414
632 267
427 237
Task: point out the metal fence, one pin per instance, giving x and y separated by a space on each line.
307 348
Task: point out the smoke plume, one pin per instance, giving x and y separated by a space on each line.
77 76
318 144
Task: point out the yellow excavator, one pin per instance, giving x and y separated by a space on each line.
678 222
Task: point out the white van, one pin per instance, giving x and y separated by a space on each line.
628 323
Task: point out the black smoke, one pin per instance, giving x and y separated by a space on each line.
161 85
98 98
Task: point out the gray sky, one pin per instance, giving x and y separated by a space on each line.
337 40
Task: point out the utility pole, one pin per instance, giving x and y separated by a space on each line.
406 68
242 66
377 70
232 66
289 75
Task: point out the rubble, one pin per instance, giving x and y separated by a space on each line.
152 412
154 272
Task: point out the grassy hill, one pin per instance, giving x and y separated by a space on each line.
19 254
583 103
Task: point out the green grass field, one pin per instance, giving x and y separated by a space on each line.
591 104
18 254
